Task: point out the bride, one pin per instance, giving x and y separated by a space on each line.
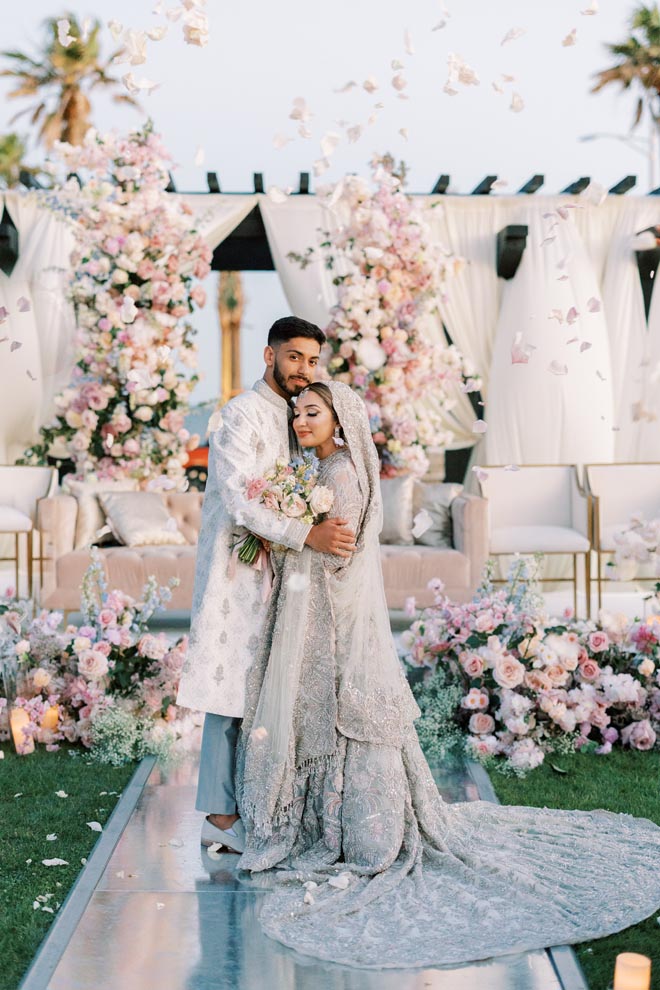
368 865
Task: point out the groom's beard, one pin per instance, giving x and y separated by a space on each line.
286 384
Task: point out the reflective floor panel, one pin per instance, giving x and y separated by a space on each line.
165 916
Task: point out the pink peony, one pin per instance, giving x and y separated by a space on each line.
107 617
255 488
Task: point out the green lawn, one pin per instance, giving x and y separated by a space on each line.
623 781
29 811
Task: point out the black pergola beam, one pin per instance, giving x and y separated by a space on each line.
578 186
258 180
511 243
441 186
485 186
28 180
624 186
212 182
303 187
532 185
8 243
647 265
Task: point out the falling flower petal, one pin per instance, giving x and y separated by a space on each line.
572 316
556 314
370 84
304 131
439 26
157 33
116 29
449 89
15 345
214 851
584 346
300 109
593 305
23 305
329 142
320 166
4 313
134 85
398 82
403 131
95 826
573 340
517 103
601 376
280 141
512 35
63 35
557 368
591 10
397 64
479 426
496 86
354 133
511 467
480 473
408 43
570 38
346 87
276 195
520 351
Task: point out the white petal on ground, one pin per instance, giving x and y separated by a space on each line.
51 837
61 794
512 35
95 826
176 843
341 882
54 862
480 473
213 851
159 905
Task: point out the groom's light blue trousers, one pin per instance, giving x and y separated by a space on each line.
216 794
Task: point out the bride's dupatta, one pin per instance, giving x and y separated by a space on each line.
343 625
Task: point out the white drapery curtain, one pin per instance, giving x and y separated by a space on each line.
43 326
216 215
558 407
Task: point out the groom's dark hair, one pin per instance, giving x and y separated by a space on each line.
289 327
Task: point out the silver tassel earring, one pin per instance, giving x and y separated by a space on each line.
338 441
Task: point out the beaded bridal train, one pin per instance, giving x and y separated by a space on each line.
366 864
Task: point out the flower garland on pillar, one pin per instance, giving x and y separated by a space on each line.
133 286
389 275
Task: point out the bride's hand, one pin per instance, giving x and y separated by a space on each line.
332 536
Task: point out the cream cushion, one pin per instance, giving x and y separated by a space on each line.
537 539
140 519
91 519
436 499
13 520
397 496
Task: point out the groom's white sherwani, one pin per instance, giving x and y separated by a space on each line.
228 612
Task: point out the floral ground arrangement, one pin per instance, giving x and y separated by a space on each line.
511 686
52 808
109 684
626 782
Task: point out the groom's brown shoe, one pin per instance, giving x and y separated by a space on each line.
233 838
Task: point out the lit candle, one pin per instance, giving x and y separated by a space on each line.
50 718
19 720
632 972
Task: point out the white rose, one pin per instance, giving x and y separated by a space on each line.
370 354
23 646
82 643
40 678
646 667
321 499
143 413
93 665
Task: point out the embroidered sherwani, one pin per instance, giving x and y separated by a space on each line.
228 612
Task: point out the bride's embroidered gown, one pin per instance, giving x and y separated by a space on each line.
333 785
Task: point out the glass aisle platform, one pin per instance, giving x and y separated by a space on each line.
166 917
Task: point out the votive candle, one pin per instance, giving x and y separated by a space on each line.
50 718
18 721
632 972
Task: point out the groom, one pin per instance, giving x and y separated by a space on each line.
228 612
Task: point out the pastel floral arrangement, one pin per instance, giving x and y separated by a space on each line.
81 684
525 685
289 489
134 284
637 545
385 336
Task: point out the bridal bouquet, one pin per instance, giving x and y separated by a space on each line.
290 490
636 545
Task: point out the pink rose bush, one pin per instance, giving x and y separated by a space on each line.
133 286
385 336
503 681
109 685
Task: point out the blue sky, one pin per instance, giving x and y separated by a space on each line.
233 96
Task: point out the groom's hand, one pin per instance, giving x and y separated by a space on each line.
332 536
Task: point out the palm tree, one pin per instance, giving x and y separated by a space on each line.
60 77
12 153
638 63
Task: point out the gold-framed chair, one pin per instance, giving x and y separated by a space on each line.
21 489
540 508
618 491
